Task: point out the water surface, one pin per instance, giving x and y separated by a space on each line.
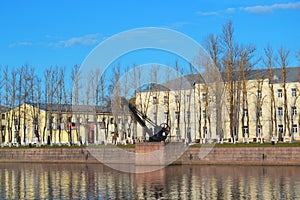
96 181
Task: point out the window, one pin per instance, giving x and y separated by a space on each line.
259 94
188 132
245 129
3 127
111 120
177 115
154 116
258 129
279 93
294 92
166 115
280 111
245 112
188 98
35 120
205 130
260 111
177 133
188 114
154 100
69 119
294 110
3 116
294 128
103 119
204 113
165 100
176 98
203 96
280 128
52 122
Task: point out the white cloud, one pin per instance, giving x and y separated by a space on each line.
258 9
20 44
261 9
176 25
209 13
86 40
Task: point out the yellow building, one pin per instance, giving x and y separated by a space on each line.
58 124
264 107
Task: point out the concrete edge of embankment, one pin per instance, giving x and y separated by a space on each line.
281 156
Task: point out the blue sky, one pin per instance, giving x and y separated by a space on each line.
44 33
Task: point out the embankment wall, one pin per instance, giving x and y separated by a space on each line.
226 156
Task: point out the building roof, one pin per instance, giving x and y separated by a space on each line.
185 82
70 108
4 109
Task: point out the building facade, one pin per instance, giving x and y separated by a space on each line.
264 105
62 124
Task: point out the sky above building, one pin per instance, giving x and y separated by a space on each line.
49 33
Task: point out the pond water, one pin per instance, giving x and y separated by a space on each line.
96 181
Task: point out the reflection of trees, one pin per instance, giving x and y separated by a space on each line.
81 181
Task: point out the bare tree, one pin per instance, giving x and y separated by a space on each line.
2 110
269 63
74 101
283 62
115 91
178 101
60 94
246 53
214 48
232 84
10 100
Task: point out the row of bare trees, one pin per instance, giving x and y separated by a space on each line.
236 62
61 87
55 90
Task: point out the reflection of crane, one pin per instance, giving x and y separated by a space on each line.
160 132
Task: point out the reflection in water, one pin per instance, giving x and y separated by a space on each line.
81 181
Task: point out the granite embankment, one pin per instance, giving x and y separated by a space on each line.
219 155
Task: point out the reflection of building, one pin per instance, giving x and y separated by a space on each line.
33 123
191 111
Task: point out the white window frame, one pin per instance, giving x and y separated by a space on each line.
279 93
154 100
294 110
154 115
177 115
245 112
176 99
188 98
294 92
165 100
260 112
259 128
204 114
166 115
280 111
203 96
294 128
245 130
259 94
188 114
280 128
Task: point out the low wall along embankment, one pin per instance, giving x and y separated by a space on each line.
218 155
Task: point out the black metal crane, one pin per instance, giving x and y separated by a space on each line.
160 132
